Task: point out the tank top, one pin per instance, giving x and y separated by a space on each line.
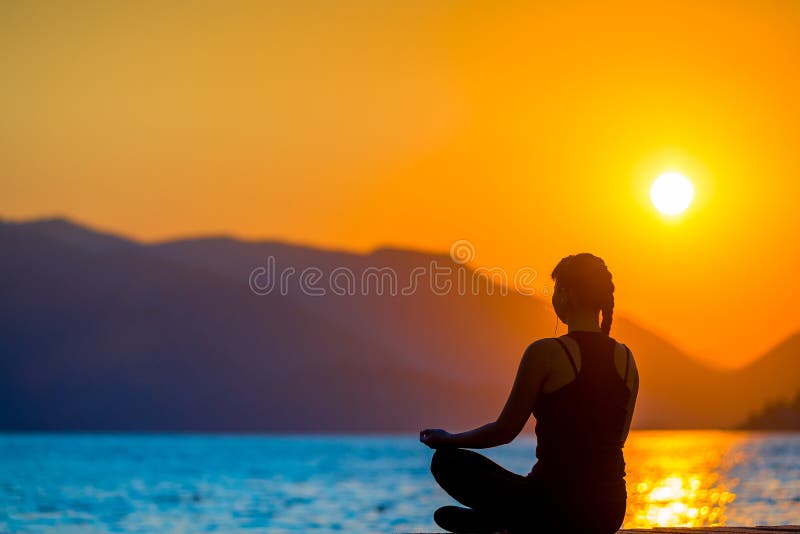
579 425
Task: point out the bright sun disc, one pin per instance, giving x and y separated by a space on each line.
671 193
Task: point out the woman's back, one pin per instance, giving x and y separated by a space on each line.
581 388
583 416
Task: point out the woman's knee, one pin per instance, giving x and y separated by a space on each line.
443 458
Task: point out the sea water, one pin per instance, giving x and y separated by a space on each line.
357 483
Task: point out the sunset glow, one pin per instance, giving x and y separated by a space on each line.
362 125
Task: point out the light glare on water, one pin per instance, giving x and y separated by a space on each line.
682 478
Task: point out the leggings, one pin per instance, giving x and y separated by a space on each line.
518 503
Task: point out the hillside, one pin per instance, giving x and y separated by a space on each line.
775 415
99 332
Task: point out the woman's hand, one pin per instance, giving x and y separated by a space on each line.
435 437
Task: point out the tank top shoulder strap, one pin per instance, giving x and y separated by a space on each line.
569 355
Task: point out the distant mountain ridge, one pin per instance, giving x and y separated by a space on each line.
100 332
776 415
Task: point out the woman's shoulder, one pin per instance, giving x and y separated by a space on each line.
619 343
542 349
539 355
542 344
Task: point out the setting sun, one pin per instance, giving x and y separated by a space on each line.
671 193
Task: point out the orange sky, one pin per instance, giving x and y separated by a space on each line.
532 131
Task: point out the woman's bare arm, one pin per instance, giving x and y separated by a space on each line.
633 382
531 374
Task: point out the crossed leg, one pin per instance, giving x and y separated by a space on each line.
497 495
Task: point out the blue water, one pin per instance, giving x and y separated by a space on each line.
302 483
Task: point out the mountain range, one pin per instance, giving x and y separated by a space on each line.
99 332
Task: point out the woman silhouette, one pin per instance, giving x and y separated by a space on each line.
581 388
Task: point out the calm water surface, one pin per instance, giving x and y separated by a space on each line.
353 483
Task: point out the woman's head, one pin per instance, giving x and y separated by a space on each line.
583 287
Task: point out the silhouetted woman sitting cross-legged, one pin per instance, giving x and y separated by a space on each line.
581 388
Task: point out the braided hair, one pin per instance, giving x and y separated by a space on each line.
588 278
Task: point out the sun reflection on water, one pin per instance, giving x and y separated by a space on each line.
678 480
